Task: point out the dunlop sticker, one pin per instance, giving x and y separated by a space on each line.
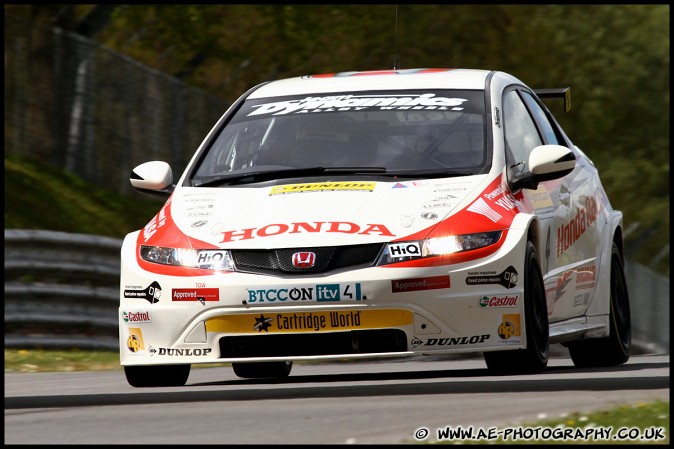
323 186
270 322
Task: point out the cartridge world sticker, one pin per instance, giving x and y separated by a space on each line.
269 322
323 187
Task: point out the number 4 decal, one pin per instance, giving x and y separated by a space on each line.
347 292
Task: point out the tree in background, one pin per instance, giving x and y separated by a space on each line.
615 58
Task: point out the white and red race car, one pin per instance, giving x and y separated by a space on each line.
375 214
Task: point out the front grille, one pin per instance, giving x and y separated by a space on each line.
308 344
279 261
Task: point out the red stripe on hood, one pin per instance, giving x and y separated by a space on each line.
493 210
163 232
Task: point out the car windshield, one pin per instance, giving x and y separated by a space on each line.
383 132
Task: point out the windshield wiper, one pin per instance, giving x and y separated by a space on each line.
266 175
429 173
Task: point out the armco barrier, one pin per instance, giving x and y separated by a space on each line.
62 291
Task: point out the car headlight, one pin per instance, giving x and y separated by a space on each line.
437 246
211 259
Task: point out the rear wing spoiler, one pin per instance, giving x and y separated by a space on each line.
562 92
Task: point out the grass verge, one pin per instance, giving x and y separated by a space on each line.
637 423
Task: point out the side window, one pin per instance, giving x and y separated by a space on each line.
520 131
551 137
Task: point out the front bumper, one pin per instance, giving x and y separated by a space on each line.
474 306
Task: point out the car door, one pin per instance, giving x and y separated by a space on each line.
564 207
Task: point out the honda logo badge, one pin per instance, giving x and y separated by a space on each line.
304 260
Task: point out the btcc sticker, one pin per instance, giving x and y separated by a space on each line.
134 342
510 327
309 321
416 284
499 301
151 294
508 278
136 317
323 187
317 293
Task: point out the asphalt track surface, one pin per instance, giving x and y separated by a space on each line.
384 401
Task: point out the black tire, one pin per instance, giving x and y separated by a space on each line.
157 375
534 358
262 370
614 349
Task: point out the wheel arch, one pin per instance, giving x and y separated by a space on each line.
534 235
618 240
613 234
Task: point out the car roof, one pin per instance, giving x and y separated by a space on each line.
375 80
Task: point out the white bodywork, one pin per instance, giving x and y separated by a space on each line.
171 315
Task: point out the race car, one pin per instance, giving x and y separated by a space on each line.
362 215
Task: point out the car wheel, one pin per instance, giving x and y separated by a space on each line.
614 349
260 370
157 375
534 358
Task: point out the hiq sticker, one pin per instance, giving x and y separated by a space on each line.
407 249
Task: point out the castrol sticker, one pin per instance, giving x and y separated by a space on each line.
499 301
142 316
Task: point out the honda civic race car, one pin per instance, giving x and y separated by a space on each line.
376 214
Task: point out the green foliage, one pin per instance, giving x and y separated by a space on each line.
45 361
38 196
614 57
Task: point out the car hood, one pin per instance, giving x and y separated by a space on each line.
322 213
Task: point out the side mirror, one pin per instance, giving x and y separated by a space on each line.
546 162
154 178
